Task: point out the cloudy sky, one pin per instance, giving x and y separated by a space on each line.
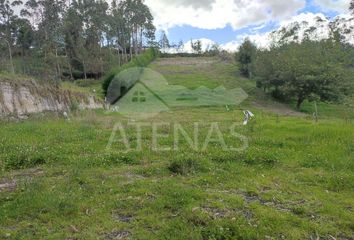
225 21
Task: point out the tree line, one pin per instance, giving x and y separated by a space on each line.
310 70
56 39
307 71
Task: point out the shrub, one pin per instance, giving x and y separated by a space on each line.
74 106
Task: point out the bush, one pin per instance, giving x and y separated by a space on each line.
142 60
74 106
86 82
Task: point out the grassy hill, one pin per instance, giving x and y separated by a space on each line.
295 179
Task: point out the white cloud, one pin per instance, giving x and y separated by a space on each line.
210 14
261 40
340 6
231 46
306 21
207 44
303 22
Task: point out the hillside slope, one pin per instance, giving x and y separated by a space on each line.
99 176
213 73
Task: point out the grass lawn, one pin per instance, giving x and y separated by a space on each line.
294 181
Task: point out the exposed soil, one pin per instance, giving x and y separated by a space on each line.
277 108
185 61
7 185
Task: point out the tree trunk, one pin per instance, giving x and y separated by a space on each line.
136 41
69 63
141 40
10 56
58 64
300 100
119 47
84 66
130 48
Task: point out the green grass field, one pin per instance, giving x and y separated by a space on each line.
294 181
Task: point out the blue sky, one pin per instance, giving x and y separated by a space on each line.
224 21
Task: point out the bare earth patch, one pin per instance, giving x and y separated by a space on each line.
10 184
7 185
185 61
277 108
118 235
34 172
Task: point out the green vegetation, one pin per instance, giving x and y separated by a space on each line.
196 46
164 43
142 60
14 78
58 40
245 56
288 174
90 86
294 181
306 71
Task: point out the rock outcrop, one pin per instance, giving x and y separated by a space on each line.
21 98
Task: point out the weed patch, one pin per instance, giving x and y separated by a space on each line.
188 164
258 157
24 160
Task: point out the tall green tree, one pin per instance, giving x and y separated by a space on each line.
164 43
131 26
24 42
304 71
196 46
74 41
117 32
245 56
8 22
180 46
47 15
76 38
